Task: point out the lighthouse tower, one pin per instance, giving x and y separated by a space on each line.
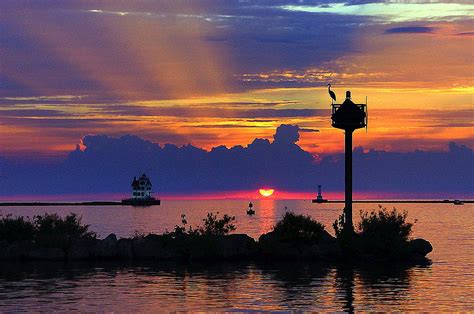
348 116
319 198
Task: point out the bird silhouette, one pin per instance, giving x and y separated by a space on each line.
331 93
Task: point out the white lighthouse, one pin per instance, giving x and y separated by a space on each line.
141 193
141 188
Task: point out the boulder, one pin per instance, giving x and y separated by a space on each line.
125 249
3 248
152 247
236 245
197 247
271 245
46 253
17 250
420 247
106 248
80 249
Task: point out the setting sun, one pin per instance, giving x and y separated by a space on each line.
266 192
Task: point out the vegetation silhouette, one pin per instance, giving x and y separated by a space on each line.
44 229
213 226
295 228
381 235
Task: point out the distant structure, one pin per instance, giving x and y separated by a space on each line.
141 188
348 116
250 211
319 198
141 192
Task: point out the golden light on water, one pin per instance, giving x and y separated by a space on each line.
266 192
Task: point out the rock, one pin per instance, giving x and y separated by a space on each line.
420 247
152 247
329 247
106 248
80 249
45 253
272 246
54 240
196 247
3 248
214 247
124 249
17 250
236 245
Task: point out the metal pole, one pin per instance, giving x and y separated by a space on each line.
348 178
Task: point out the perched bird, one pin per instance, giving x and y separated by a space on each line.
331 93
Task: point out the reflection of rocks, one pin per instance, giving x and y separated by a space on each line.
207 247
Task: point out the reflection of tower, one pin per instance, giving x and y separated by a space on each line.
319 198
349 117
345 279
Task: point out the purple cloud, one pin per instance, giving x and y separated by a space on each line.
410 30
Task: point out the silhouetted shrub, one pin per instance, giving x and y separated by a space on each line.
298 227
212 226
216 226
385 224
16 228
47 229
383 231
54 231
339 230
70 225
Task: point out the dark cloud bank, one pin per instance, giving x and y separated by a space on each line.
107 164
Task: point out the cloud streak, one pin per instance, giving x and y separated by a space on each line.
411 30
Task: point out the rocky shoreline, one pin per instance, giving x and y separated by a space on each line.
204 247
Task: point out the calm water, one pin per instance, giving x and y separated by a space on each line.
447 284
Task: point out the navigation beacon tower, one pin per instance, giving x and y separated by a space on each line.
349 116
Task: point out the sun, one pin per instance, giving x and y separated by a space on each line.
266 192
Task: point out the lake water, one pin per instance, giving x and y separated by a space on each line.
447 284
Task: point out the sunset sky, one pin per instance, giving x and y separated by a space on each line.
211 73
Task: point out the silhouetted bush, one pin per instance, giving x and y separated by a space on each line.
54 231
384 224
379 232
298 227
339 230
216 226
47 229
384 232
71 225
212 226
16 228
